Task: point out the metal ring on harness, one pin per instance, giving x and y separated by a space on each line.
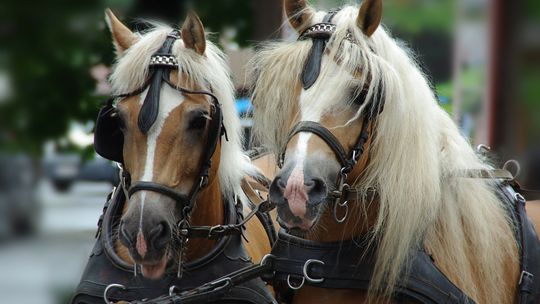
516 164
173 290
108 288
291 286
483 148
266 257
345 204
306 268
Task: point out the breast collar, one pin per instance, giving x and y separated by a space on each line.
105 267
338 266
299 262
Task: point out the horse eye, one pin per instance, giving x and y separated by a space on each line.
198 122
359 97
119 121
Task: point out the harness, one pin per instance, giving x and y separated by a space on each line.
106 275
295 262
335 265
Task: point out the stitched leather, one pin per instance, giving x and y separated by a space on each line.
343 269
105 267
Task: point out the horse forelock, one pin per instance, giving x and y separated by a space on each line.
414 158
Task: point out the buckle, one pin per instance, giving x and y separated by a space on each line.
523 275
305 271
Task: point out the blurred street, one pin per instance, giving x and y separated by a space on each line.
45 268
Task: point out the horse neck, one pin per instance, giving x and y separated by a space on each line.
362 216
208 211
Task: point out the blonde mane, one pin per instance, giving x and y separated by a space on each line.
209 72
416 159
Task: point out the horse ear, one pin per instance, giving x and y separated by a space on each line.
123 37
193 33
370 16
299 13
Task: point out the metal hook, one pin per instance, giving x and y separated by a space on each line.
172 290
291 286
516 164
483 148
108 288
267 257
345 205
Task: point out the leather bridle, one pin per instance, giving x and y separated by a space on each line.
320 33
161 64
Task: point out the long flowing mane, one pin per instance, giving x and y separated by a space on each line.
417 159
210 71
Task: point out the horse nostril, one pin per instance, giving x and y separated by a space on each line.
160 235
316 190
277 188
280 183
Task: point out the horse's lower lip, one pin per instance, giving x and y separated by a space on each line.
304 226
154 270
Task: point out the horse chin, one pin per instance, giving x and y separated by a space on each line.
154 271
297 226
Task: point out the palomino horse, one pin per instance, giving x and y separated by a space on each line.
178 219
370 164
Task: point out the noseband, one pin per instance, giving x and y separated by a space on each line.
320 34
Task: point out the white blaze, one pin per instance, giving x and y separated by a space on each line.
170 99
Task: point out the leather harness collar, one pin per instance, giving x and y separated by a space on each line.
105 270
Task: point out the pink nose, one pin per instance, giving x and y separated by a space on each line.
295 192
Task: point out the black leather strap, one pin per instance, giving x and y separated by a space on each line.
153 187
105 267
529 246
346 265
312 67
150 108
325 134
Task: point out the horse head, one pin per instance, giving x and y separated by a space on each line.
174 98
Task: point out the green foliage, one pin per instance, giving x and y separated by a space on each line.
223 14
414 16
51 48
54 44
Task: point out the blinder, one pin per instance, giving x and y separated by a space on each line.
108 136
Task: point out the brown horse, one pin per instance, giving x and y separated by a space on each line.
410 169
162 157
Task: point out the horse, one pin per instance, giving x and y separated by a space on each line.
376 174
179 216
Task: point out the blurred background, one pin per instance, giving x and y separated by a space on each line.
482 56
